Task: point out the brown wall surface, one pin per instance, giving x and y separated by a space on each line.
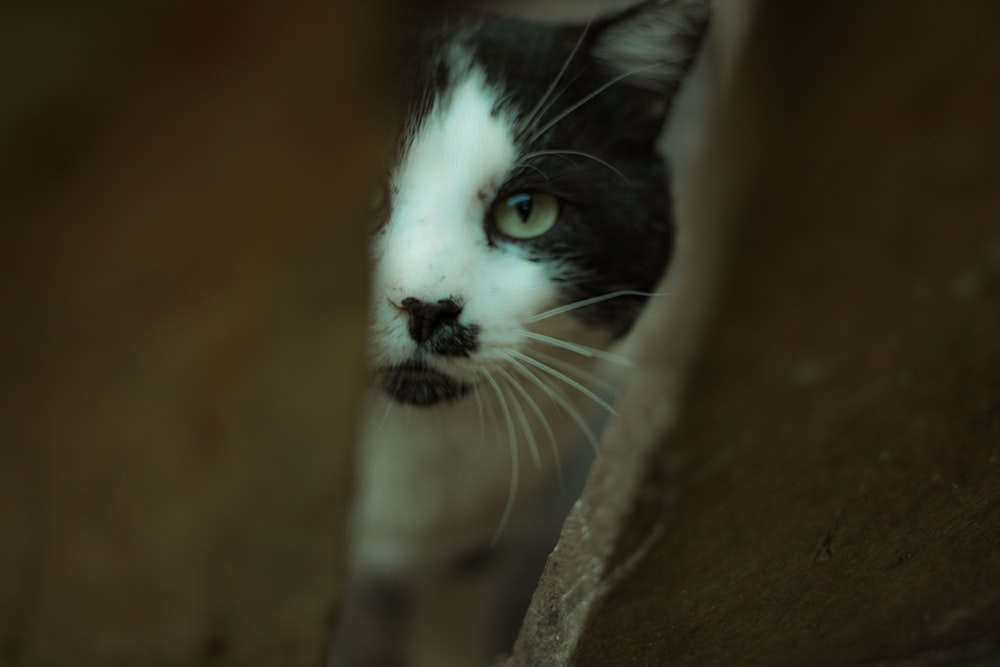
822 485
184 202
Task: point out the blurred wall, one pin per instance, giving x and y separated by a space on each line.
184 200
806 470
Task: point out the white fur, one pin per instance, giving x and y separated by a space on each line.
434 481
435 245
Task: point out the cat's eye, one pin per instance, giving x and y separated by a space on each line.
525 216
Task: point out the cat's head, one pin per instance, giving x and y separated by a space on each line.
526 179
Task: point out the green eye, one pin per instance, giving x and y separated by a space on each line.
526 216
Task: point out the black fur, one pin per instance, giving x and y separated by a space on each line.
615 230
416 384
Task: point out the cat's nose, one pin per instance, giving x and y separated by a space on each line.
426 318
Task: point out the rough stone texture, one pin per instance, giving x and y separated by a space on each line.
808 469
184 203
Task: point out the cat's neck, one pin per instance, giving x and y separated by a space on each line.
435 481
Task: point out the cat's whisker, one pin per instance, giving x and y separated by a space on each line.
534 168
582 374
533 406
553 100
567 153
583 350
586 98
545 368
583 303
529 435
385 414
530 120
479 407
557 397
515 464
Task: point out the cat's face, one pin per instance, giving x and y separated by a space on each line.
526 179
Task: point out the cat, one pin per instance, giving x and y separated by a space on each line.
527 219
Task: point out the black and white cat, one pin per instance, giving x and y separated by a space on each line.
527 221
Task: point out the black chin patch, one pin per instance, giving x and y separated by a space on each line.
417 384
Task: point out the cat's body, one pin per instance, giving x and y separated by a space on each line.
526 180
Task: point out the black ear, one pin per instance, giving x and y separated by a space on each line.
652 44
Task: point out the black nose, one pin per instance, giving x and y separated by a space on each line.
426 319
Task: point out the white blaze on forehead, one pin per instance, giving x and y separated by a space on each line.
460 148
461 151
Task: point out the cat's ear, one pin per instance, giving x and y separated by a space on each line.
652 44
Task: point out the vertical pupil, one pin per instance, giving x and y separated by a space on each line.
522 204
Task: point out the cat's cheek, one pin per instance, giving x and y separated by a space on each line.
388 343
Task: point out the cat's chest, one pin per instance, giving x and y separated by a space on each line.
434 483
